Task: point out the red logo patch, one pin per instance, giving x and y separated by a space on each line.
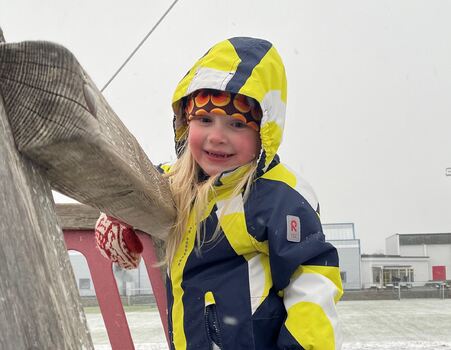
293 228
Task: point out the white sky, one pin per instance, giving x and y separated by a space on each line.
369 90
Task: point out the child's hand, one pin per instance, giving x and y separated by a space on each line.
118 242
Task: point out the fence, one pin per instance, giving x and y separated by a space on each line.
402 290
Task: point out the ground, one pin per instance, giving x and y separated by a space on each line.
408 324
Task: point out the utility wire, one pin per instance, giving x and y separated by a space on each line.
139 45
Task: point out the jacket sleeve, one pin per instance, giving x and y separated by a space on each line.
304 269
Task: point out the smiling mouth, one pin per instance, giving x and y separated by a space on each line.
219 155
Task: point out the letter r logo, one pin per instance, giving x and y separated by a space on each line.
293 228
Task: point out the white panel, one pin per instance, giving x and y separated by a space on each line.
317 289
210 78
256 281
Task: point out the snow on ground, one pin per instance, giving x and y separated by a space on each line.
393 324
409 324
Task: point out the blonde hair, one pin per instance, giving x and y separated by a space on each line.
190 193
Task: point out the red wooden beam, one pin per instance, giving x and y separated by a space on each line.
106 289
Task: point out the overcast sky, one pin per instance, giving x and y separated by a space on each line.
369 90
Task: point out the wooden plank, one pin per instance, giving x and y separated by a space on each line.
62 122
74 216
39 302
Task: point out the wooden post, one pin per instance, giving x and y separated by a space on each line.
62 122
57 131
39 302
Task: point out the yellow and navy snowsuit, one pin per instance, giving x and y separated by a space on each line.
270 281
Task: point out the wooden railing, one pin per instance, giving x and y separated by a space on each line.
57 131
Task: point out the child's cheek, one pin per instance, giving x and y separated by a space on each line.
195 142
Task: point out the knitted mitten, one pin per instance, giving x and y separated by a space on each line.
118 242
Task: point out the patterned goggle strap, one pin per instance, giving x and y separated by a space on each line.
244 108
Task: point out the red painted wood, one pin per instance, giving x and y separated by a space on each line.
106 289
105 286
156 280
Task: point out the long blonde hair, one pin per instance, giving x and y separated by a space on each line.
190 193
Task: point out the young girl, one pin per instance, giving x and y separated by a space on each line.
248 267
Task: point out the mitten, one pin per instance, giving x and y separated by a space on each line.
118 242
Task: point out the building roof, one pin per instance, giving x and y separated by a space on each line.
384 256
424 238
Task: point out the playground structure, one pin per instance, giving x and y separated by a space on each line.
57 131
77 222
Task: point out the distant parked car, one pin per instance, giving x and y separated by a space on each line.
438 284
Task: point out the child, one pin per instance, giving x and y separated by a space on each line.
248 267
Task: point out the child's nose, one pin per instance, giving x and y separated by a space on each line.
217 134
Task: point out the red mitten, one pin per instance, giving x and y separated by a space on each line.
118 242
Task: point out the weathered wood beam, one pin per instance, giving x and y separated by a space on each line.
74 216
39 302
62 122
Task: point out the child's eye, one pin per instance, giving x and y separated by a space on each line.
238 124
202 119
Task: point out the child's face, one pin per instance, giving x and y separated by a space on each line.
220 143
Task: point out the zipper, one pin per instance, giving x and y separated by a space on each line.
212 322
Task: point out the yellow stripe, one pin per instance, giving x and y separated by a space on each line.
166 167
262 79
330 272
177 267
209 298
310 326
234 227
268 278
281 173
219 57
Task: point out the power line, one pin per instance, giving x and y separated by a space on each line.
139 45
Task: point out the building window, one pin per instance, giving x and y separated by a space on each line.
343 276
84 283
377 274
395 274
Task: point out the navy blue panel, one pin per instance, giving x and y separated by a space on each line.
217 268
287 341
267 208
251 51
267 320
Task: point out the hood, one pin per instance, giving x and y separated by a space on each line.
248 66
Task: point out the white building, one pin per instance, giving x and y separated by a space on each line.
411 260
342 236
129 282
436 246
379 270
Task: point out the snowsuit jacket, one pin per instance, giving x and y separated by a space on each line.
270 281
